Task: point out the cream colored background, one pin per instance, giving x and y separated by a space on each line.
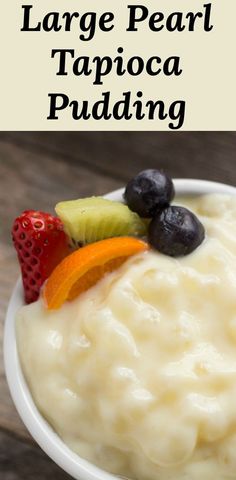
207 84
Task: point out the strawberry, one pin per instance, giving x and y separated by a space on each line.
41 244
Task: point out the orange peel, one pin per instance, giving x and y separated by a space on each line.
85 267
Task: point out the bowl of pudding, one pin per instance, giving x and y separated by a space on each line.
136 377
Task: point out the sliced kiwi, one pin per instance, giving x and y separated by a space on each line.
91 219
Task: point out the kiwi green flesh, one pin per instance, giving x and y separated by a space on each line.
96 218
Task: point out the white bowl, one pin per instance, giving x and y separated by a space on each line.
44 435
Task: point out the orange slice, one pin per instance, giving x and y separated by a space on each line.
86 266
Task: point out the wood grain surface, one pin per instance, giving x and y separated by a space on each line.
39 169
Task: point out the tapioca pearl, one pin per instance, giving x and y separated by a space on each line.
116 460
112 418
214 427
168 441
138 402
209 207
124 375
173 449
125 379
160 292
227 456
147 323
180 334
134 400
208 414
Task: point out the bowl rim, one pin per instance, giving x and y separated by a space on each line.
39 428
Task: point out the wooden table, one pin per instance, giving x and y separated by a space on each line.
39 169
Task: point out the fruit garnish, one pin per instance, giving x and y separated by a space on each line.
149 192
88 220
41 243
175 231
86 266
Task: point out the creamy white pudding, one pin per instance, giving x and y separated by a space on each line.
138 375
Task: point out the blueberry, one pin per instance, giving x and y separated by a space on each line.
149 192
175 231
